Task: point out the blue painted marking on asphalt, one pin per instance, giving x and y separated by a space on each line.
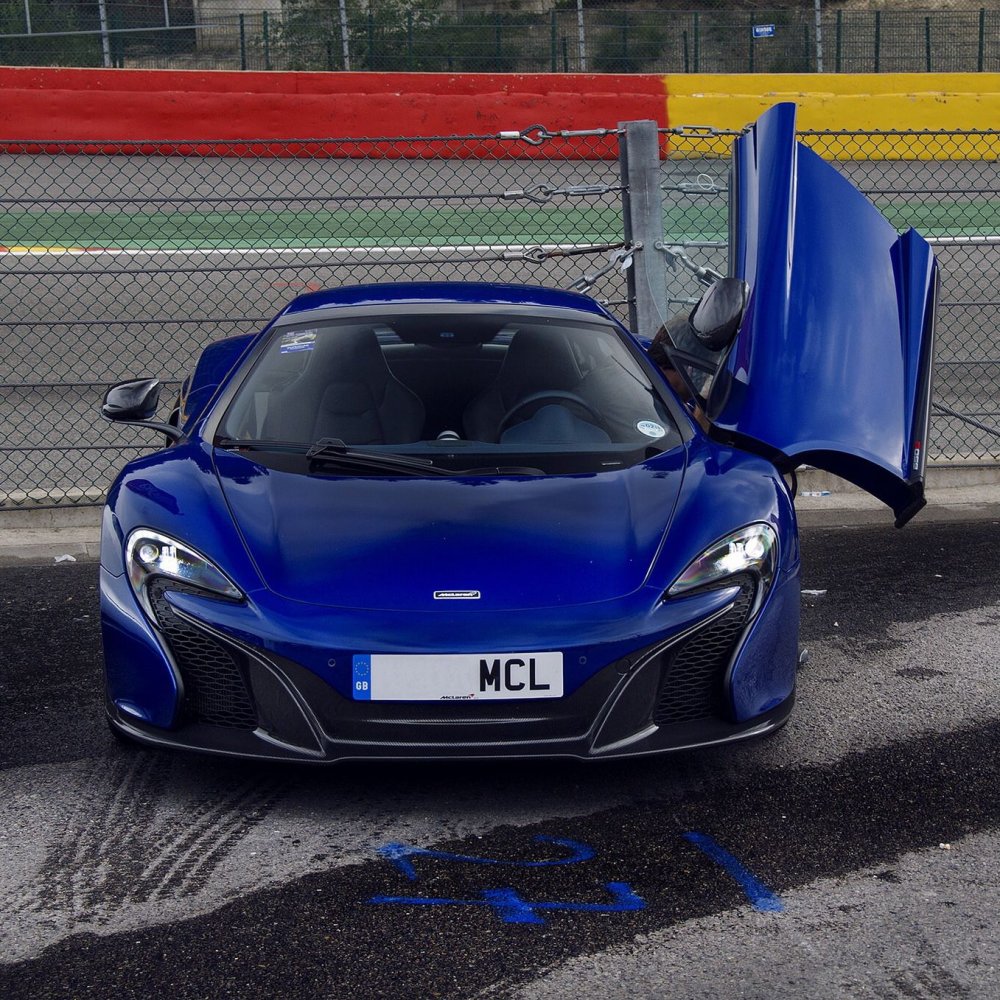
512 909
761 898
400 854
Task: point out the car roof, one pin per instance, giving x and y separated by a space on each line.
450 292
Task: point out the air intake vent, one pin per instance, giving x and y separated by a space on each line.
693 675
215 690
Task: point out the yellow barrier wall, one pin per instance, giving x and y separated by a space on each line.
852 102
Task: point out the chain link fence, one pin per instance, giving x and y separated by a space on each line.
396 35
121 260
116 264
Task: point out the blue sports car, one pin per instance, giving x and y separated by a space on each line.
475 520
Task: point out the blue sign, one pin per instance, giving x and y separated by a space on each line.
763 31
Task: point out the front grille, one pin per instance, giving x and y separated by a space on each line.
214 675
694 670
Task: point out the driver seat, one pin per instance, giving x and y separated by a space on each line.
347 392
536 361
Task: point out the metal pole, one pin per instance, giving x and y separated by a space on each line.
554 41
166 13
243 42
819 36
27 16
878 40
344 39
102 10
265 27
639 156
982 36
581 38
927 41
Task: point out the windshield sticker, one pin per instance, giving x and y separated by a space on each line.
298 340
650 428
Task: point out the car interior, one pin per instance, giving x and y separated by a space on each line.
492 379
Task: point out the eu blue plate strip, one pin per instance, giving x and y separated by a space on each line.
361 686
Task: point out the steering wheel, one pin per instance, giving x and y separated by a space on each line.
546 395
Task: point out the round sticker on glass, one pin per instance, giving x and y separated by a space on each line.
650 428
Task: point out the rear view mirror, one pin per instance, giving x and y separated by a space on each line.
716 317
135 402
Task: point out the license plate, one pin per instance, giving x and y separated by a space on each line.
457 676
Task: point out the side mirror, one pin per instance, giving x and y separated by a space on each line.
716 317
135 402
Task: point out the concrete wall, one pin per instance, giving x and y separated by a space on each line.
137 105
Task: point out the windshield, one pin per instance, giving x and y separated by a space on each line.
465 389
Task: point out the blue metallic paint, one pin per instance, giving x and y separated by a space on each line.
215 363
722 486
575 563
831 365
523 543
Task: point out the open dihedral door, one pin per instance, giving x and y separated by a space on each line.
831 365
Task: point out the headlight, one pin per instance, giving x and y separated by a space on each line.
149 554
753 549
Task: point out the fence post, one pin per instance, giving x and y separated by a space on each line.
243 42
266 31
697 42
840 31
687 62
982 36
553 40
642 223
927 41
878 40
409 39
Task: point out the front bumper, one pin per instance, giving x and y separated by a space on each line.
234 696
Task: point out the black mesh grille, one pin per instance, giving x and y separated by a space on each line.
215 690
691 688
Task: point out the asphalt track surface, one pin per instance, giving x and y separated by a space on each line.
854 854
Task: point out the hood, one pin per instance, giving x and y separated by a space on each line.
381 543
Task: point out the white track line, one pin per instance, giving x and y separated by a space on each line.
282 251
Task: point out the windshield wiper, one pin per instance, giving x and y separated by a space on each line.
258 444
334 452
501 470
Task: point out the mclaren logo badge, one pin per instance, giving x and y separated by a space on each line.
456 595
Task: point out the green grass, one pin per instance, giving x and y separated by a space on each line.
418 227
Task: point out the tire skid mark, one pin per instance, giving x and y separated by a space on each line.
114 850
203 820
191 853
198 875
75 871
931 982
